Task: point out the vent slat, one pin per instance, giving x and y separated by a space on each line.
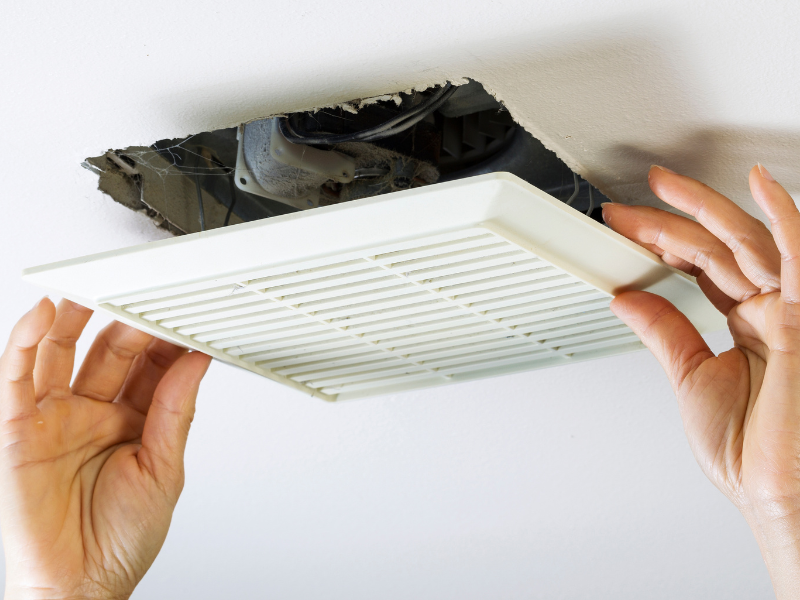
200 319
300 350
609 331
497 277
363 276
273 330
521 305
367 375
279 316
372 303
355 366
352 351
181 299
574 307
381 314
203 306
433 245
480 273
411 376
509 301
516 285
521 358
624 338
471 358
276 341
460 262
507 341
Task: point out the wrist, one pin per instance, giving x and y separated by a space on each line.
27 592
777 532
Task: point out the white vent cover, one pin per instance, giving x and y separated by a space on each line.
441 284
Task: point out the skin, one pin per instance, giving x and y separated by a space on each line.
741 409
90 473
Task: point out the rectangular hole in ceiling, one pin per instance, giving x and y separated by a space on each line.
361 148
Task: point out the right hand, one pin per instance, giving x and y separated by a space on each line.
741 409
90 469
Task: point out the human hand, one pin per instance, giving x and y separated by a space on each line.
89 474
741 409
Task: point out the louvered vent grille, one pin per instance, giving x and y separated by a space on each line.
427 311
445 283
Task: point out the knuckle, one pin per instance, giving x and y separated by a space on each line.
62 341
161 359
117 349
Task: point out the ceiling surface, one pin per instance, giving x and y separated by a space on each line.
572 482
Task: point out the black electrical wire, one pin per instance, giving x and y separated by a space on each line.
393 126
233 200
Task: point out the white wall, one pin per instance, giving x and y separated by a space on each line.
568 483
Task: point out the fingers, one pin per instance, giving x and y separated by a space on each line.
168 420
687 241
747 237
721 301
108 361
146 373
17 390
782 213
666 332
55 359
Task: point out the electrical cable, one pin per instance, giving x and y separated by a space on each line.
591 203
200 208
233 200
393 126
577 189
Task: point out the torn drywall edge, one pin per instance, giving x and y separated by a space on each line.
355 104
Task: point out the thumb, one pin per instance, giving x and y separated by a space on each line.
666 332
169 417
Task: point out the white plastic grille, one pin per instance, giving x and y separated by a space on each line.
431 310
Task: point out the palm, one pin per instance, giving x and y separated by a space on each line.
95 469
89 456
732 409
717 401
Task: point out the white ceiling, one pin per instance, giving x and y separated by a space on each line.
565 483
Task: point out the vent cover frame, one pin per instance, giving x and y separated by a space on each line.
514 278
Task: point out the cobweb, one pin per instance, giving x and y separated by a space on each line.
163 175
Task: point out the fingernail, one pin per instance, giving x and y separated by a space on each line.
764 173
38 303
665 169
603 205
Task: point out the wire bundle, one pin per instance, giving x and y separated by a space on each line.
393 126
